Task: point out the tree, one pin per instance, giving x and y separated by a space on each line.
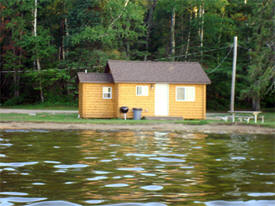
261 71
37 57
12 27
149 24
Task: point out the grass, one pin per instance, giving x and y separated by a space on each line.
44 106
72 118
269 118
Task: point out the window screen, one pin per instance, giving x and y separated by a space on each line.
142 91
107 92
185 93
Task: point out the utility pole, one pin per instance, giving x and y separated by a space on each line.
233 78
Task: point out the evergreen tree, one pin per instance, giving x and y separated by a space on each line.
261 72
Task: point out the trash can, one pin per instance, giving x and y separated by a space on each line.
137 113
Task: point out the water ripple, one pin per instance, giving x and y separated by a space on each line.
94 201
54 203
16 164
140 155
152 187
71 166
52 162
6 144
99 172
166 159
8 200
137 204
131 169
117 185
241 203
14 193
260 194
97 178
148 174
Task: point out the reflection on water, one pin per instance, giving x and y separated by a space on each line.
129 168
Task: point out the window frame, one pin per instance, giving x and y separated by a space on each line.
144 93
185 98
111 91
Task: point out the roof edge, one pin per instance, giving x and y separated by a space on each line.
133 82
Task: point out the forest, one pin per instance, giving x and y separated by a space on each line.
44 43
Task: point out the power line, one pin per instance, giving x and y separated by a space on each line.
213 70
163 58
43 70
192 53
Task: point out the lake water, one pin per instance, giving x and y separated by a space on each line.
129 168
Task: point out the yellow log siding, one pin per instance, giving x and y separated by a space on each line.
127 97
115 96
188 110
80 99
92 104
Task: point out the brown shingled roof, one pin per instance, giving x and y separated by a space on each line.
93 77
157 72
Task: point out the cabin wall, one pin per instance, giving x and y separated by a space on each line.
127 97
116 100
91 102
80 99
188 110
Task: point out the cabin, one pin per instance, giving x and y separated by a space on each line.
161 89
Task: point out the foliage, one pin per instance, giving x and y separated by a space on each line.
261 73
73 35
14 101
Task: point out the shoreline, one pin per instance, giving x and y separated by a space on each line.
207 129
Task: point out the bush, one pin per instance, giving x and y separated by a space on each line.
14 101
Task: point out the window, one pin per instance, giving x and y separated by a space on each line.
142 90
107 92
185 94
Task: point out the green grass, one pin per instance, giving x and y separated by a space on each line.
269 119
44 106
72 118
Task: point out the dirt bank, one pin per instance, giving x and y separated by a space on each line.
239 129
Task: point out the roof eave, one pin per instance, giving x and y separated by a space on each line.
107 82
160 82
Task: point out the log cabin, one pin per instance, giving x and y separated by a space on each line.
160 89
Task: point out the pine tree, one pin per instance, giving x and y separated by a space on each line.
261 71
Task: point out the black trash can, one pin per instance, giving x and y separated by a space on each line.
137 113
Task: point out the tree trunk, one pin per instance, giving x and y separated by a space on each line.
149 27
15 82
172 30
62 43
118 17
188 38
182 36
60 52
67 36
37 58
127 48
201 14
17 72
65 53
15 77
256 103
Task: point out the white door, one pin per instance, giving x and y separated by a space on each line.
161 99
